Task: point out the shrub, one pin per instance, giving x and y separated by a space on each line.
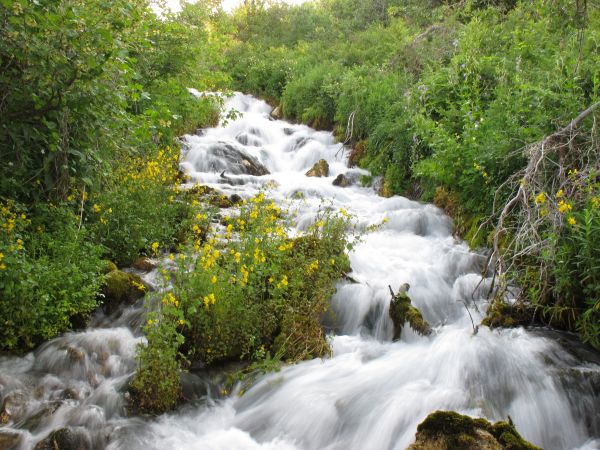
49 273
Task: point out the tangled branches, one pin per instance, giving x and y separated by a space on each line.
558 167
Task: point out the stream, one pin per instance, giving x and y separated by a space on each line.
372 393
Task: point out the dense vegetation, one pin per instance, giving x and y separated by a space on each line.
446 100
456 102
93 95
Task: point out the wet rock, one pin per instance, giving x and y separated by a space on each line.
9 440
402 311
446 430
13 407
144 264
220 201
65 439
341 180
235 161
40 417
122 288
357 153
503 315
320 169
75 354
277 113
288 131
236 199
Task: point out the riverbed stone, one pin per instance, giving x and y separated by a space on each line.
122 288
341 181
277 113
448 430
144 264
402 311
65 439
320 169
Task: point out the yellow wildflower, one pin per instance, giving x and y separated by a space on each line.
540 199
97 208
213 280
560 193
564 206
155 246
571 221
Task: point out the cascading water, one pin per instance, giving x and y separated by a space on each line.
372 393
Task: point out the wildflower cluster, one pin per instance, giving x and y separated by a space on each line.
250 279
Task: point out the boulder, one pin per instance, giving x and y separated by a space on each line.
341 180
65 439
229 158
447 430
144 264
220 201
402 311
122 288
320 169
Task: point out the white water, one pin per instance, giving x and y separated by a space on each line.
372 393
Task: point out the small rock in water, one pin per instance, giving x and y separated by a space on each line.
235 199
341 180
277 113
320 169
144 264
65 439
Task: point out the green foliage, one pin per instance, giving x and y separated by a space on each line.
155 387
253 287
49 273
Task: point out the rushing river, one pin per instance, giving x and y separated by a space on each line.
372 393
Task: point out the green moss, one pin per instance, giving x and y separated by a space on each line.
320 169
402 311
503 315
108 267
457 431
122 287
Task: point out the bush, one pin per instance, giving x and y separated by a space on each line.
50 273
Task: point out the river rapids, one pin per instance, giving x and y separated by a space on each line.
372 393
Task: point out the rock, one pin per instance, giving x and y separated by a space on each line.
122 288
402 311
65 439
357 153
235 199
144 263
220 201
228 157
277 113
446 430
503 315
9 440
320 169
13 407
109 266
341 180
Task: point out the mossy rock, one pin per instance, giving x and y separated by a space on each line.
502 315
220 201
449 430
402 311
65 439
320 169
108 266
122 288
